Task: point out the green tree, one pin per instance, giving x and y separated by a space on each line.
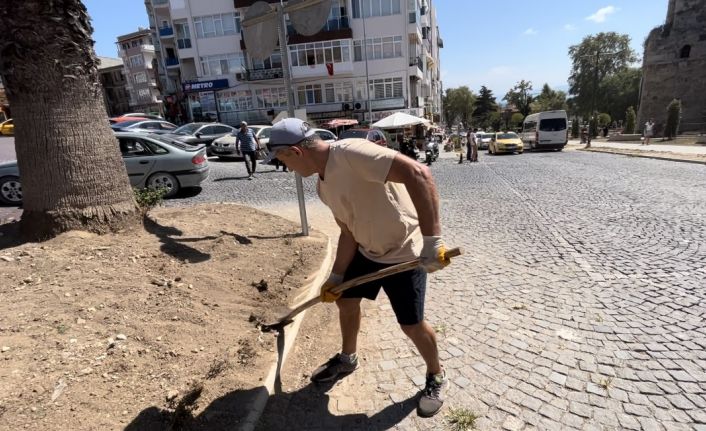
604 119
494 122
595 58
673 119
73 176
575 128
630 119
520 96
549 100
485 104
618 91
459 105
516 120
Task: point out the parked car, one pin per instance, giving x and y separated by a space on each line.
159 127
151 116
326 135
7 127
201 133
152 161
505 142
372 135
546 130
483 139
224 147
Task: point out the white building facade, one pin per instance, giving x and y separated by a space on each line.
204 62
137 52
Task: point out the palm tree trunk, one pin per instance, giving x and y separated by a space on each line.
72 172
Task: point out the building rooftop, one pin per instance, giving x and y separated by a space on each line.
135 34
107 62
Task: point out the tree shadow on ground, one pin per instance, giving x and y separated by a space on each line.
10 235
304 409
175 247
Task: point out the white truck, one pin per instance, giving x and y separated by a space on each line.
545 130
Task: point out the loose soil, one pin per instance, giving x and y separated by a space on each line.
146 329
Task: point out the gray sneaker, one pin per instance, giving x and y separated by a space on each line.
333 369
431 399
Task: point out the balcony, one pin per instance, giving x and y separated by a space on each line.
320 70
160 3
415 33
262 74
171 62
416 67
336 28
166 32
248 3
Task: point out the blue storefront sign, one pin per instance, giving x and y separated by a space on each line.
215 84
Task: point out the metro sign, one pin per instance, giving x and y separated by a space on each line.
205 85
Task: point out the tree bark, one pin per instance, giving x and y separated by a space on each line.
72 172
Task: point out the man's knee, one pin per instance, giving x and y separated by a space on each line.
411 330
348 306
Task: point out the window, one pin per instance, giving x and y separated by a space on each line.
370 8
386 88
530 126
140 78
271 97
152 125
183 35
222 64
324 135
272 62
144 93
240 100
130 147
552 124
136 60
378 48
338 92
225 24
309 94
311 54
685 51
156 149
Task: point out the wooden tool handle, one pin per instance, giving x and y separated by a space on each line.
394 269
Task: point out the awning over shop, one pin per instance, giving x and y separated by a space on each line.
339 122
400 120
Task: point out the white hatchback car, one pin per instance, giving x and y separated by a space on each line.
224 147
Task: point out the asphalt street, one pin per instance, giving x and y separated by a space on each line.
580 302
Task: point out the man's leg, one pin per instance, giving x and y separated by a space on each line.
424 337
253 160
247 165
349 318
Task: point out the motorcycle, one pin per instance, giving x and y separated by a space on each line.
409 150
431 152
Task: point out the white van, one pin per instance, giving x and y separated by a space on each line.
545 130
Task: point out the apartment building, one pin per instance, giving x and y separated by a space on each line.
115 94
140 66
208 71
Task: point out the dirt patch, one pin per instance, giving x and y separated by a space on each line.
665 155
147 329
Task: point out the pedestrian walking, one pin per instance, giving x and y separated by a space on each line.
469 151
649 131
387 208
474 145
247 143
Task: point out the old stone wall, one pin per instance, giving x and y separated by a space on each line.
674 67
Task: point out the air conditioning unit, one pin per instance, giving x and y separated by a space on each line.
358 105
240 76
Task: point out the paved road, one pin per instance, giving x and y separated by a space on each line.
7 148
580 303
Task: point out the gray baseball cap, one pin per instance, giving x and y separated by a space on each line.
289 132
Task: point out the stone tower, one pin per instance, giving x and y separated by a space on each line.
674 67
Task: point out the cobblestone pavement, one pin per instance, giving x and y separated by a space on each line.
580 302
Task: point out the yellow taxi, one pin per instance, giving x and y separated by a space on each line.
7 128
505 142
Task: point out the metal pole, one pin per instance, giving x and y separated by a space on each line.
281 26
367 76
592 118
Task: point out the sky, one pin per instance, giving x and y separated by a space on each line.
492 43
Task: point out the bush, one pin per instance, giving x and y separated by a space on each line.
575 128
673 119
516 120
149 198
603 119
630 119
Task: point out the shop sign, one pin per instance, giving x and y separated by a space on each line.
215 84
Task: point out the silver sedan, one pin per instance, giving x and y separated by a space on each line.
152 161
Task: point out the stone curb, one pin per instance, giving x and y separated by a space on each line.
644 156
259 402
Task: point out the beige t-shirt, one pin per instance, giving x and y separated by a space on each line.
380 214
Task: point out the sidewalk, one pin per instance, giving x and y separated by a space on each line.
658 150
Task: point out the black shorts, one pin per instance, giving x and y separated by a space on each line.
405 290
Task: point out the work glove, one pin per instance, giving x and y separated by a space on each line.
433 255
333 281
